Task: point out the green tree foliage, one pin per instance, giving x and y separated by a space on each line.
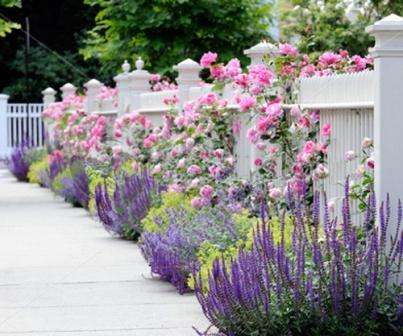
46 69
7 26
319 26
164 32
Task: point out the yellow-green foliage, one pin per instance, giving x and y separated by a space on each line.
57 185
157 217
209 252
36 169
96 177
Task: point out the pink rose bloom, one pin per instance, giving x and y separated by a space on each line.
233 67
275 193
343 53
295 112
147 143
218 153
157 169
135 166
207 59
189 143
246 103
258 162
175 187
252 135
329 58
208 98
181 163
118 134
194 170
370 163
366 142
194 183
196 202
230 160
326 130
288 49
360 63
320 172
242 80
218 71
260 74
309 147
207 191
155 77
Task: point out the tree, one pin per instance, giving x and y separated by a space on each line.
165 32
7 26
319 26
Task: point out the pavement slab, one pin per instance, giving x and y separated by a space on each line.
62 274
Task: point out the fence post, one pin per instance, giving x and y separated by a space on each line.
123 85
246 152
257 52
49 96
67 90
93 87
139 83
3 125
388 112
188 76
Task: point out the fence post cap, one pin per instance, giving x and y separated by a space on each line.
263 47
49 91
3 96
391 22
93 83
68 86
187 64
126 66
139 64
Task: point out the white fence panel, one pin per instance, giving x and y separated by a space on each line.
24 123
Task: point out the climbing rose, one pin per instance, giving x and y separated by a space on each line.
246 103
329 58
326 130
206 191
194 170
288 49
207 59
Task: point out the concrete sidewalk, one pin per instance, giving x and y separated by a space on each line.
62 274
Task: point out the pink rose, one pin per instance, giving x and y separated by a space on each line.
309 147
326 130
194 170
157 169
288 49
275 193
207 191
196 202
207 59
258 162
246 103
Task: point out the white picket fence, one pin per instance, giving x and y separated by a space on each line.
19 123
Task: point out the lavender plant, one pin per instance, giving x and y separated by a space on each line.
338 284
122 212
75 189
18 163
173 253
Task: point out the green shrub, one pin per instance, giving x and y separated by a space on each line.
157 218
38 171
